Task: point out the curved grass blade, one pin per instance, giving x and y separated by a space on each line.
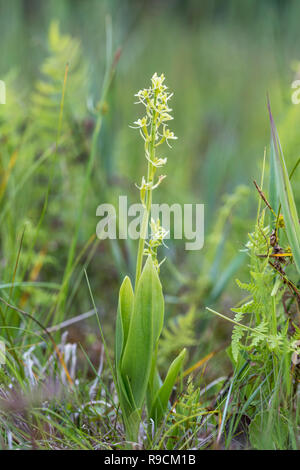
286 196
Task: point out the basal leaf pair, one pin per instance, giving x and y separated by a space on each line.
139 324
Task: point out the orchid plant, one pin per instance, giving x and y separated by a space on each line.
140 315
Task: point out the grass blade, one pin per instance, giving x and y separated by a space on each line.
286 196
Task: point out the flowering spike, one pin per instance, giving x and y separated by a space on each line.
154 130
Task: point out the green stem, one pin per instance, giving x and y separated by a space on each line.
146 215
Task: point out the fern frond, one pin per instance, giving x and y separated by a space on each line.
238 332
248 286
245 308
179 333
45 100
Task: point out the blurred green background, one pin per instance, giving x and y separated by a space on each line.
220 58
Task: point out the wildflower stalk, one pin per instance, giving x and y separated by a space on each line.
147 209
155 99
140 314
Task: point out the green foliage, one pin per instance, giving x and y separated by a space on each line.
269 431
264 335
185 417
160 401
180 332
65 56
268 323
238 332
125 310
138 328
144 331
29 162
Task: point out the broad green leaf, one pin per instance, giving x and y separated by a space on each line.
286 196
131 415
145 327
160 403
125 309
155 382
